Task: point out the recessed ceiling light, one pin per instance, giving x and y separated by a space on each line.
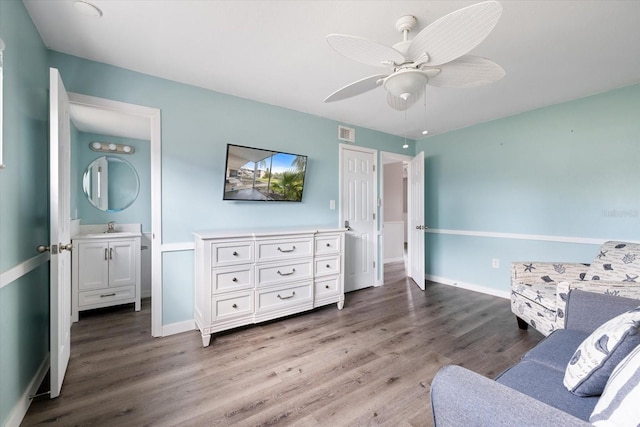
87 8
424 132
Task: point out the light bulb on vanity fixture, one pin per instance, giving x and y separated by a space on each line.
109 147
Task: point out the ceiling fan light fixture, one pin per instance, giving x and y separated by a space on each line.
405 83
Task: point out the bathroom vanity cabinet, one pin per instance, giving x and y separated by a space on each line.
105 271
248 277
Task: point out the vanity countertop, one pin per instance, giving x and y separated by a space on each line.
98 231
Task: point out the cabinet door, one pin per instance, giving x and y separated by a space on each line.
122 263
93 261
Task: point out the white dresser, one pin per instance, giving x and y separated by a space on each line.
105 269
246 277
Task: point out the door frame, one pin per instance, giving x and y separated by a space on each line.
377 281
154 118
385 155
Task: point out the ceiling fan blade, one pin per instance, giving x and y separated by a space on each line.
400 104
455 34
467 71
365 51
356 88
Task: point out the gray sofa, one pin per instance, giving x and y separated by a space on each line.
530 393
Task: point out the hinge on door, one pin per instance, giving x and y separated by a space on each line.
374 167
374 264
374 215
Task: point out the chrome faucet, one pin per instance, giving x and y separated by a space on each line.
111 227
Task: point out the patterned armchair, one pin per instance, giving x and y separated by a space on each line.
539 289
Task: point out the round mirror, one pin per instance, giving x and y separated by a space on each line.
111 184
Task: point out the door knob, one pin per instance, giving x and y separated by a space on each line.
42 249
68 247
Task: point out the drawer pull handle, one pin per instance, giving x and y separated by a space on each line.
327 287
293 248
106 254
328 266
293 270
235 253
328 245
235 306
108 295
234 280
293 294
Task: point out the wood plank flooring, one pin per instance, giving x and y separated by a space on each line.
369 364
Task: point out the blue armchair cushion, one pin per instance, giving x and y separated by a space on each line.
619 403
588 370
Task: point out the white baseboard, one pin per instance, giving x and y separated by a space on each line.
22 406
179 327
469 286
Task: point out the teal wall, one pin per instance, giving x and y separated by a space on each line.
197 125
140 211
567 170
24 306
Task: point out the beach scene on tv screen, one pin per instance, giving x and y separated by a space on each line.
256 174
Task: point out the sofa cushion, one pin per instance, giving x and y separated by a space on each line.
597 356
545 384
618 404
557 349
616 262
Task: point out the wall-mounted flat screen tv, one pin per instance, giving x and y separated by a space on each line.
256 174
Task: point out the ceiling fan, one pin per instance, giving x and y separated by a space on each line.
437 56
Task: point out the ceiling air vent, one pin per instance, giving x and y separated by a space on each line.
346 134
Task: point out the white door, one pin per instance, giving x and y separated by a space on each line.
415 248
357 209
60 225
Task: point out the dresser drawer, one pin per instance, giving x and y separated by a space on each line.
327 287
273 250
284 296
231 278
231 253
329 244
327 266
283 272
106 296
231 305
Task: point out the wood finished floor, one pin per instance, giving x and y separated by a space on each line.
369 364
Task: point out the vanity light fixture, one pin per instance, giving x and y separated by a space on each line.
104 147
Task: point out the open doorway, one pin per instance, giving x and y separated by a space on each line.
394 211
111 122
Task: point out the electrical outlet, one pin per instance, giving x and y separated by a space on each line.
495 263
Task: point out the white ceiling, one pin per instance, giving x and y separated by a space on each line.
275 52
